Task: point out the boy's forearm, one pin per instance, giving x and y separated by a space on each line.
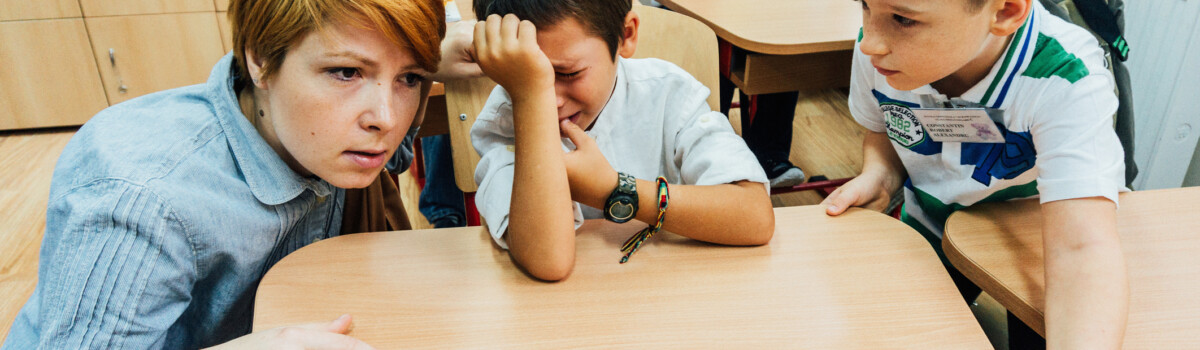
733 214
880 160
541 231
1087 288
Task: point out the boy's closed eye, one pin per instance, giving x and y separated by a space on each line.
569 75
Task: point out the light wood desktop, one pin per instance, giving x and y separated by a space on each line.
861 280
792 45
999 247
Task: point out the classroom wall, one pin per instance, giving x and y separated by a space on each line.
1164 59
1193 174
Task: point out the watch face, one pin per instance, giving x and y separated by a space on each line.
621 210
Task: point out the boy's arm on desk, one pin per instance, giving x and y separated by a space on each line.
1087 285
737 213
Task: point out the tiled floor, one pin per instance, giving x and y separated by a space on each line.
826 141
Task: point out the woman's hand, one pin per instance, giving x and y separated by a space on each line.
508 52
322 335
458 53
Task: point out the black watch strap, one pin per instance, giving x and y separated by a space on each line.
622 204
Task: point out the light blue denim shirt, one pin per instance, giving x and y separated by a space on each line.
165 212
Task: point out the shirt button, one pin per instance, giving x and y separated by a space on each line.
316 239
321 199
511 148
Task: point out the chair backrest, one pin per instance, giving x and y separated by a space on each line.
662 34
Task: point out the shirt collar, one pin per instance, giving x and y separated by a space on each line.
269 177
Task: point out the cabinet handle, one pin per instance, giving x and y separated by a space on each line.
112 58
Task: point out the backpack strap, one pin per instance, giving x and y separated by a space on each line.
1103 21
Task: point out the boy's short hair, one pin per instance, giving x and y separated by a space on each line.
269 28
976 5
602 18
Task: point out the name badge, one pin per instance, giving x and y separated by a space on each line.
959 125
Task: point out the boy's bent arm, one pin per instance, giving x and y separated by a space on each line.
1087 287
541 231
541 225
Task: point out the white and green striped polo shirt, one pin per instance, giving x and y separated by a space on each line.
1058 101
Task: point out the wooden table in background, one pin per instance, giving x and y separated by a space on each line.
999 247
787 45
862 280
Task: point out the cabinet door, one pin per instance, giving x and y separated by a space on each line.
39 9
49 74
222 5
138 55
226 35
96 8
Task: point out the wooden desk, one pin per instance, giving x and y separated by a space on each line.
999 247
792 45
862 280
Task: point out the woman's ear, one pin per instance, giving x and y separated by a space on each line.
1010 15
629 36
254 67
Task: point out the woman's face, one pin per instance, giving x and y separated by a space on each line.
340 104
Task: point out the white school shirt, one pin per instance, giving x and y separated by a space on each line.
1058 100
656 123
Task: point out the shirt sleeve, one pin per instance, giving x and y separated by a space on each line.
707 150
1079 155
862 102
116 271
493 136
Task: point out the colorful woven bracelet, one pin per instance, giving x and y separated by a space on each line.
633 243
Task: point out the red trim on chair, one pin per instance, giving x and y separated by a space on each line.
725 51
471 211
753 110
418 165
824 187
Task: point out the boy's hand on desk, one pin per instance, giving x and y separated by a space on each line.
866 191
508 52
321 335
590 176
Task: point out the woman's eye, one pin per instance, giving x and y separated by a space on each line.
413 79
864 5
903 21
344 74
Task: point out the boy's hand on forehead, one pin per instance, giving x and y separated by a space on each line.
508 52
589 175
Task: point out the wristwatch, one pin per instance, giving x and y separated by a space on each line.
622 204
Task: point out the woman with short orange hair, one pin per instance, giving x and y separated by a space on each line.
165 211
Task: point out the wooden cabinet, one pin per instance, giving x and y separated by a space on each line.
98 8
222 5
50 76
138 55
37 9
226 35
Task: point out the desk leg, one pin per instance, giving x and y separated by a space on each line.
1020 336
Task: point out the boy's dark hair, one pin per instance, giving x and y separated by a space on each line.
602 18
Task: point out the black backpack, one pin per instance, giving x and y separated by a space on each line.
1105 19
